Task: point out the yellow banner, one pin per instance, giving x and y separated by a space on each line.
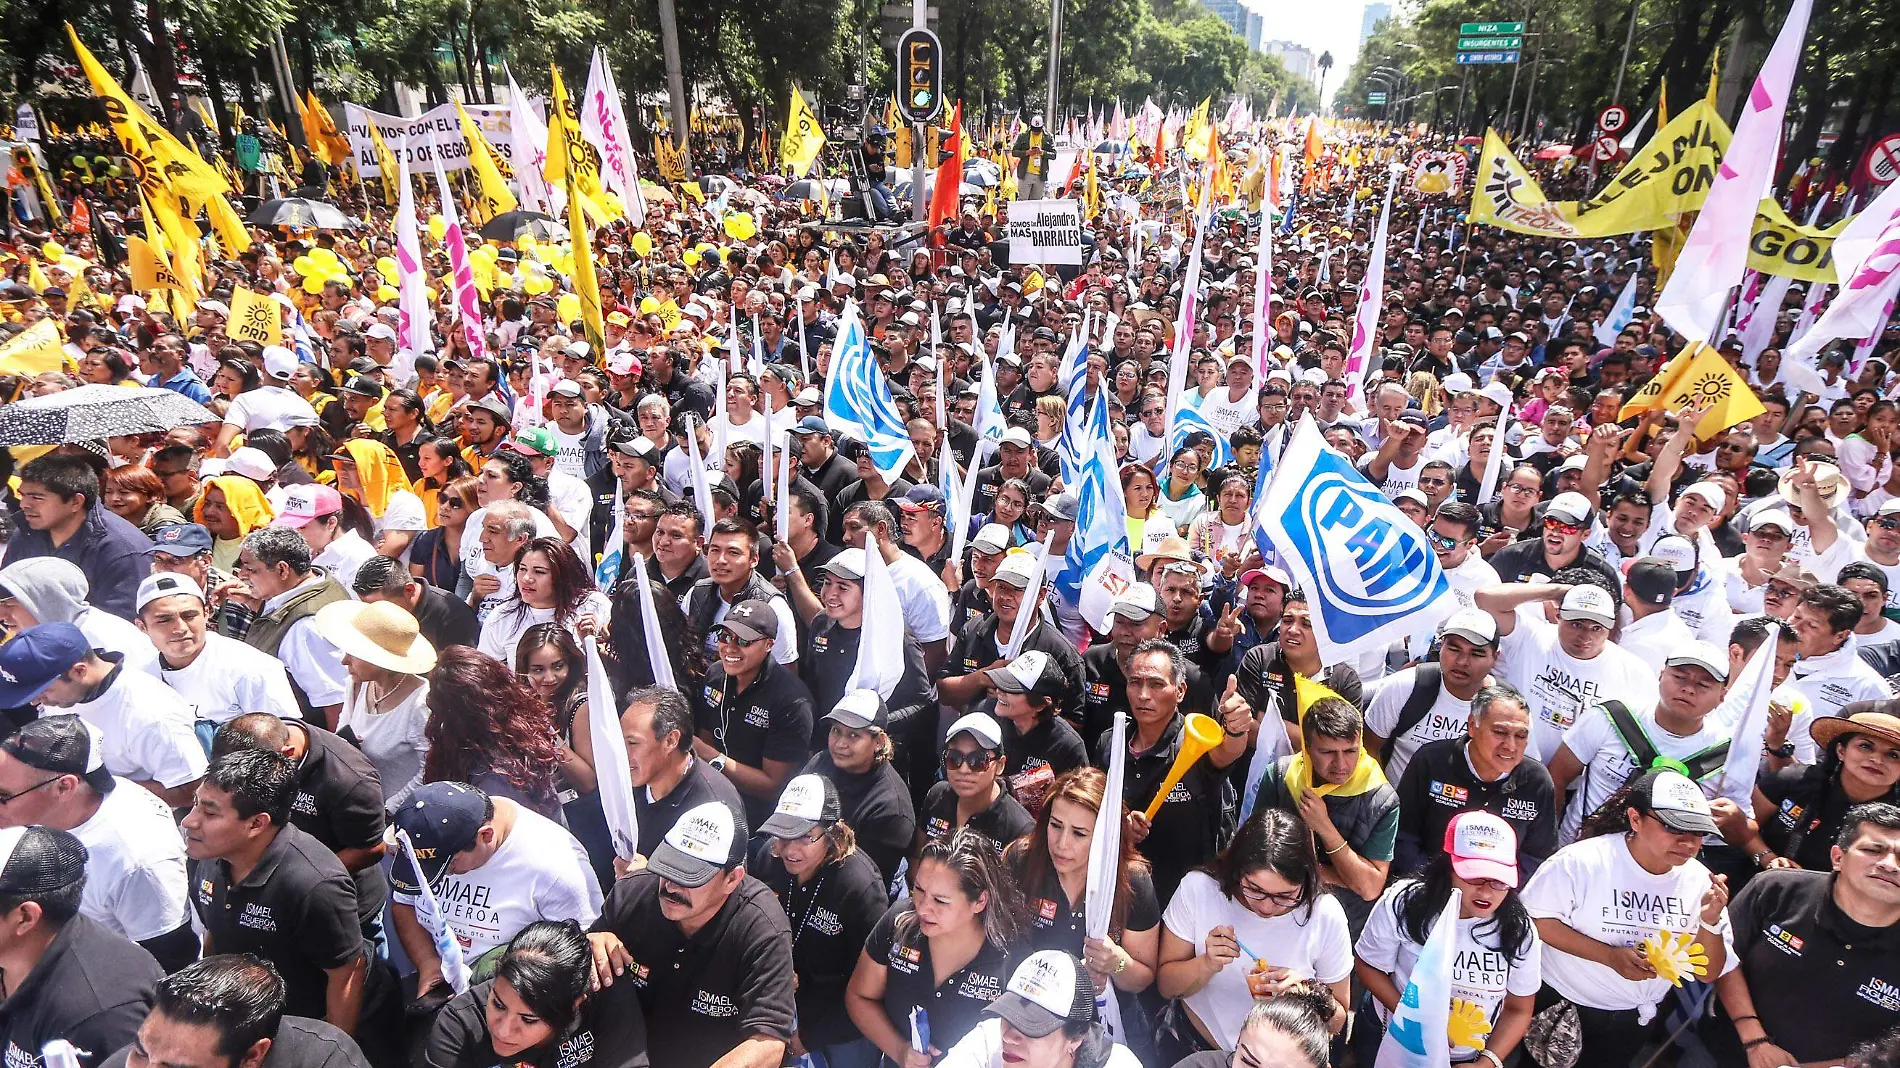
669 159
385 165
149 269
254 317
1781 246
568 151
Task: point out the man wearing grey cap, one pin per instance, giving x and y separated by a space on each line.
707 946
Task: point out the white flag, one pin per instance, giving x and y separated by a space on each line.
609 748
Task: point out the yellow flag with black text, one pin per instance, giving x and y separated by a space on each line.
1698 376
494 197
255 317
35 350
803 139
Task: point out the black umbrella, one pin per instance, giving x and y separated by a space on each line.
97 411
510 225
300 213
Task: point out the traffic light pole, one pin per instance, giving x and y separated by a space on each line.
919 19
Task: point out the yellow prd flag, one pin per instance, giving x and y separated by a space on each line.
325 139
149 268
255 317
35 350
1194 134
159 160
803 139
571 159
586 285
1715 75
494 197
1698 375
229 226
386 171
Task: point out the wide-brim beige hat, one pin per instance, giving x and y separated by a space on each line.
378 633
1827 478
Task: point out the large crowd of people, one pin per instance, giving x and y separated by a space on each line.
302 770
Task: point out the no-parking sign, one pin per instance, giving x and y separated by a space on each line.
1881 164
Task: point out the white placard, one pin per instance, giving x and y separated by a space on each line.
1045 231
435 133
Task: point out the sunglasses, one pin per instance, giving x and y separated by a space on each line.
1561 527
1885 522
1440 542
975 760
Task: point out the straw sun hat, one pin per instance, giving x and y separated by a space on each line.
379 633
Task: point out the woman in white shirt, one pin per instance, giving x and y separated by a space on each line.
386 709
1630 883
1224 531
1253 924
551 586
1495 973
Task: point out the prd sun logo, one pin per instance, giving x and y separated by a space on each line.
1710 389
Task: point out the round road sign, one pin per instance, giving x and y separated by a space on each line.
1607 146
1881 165
1613 118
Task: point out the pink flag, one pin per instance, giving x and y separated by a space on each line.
1262 290
468 303
1867 259
412 300
1365 325
1716 252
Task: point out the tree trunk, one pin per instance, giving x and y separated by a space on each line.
161 64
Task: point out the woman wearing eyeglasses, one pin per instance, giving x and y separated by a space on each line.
1629 881
1181 498
833 896
1248 926
1495 972
974 793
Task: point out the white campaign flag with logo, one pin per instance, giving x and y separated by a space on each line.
1418 1034
604 124
1098 565
1715 253
1620 315
1370 576
858 399
1867 257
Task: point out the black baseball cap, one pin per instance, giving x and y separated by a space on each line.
63 745
1651 581
809 802
751 621
441 820
39 860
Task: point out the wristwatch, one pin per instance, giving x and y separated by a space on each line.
1784 750
717 762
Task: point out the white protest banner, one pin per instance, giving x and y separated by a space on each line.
1045 231
436 134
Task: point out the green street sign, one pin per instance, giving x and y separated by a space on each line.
1488 44
1474 28
1375 98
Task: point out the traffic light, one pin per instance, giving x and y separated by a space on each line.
919 75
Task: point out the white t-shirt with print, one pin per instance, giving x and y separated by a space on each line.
1312 945
1445 719
135 864
1559 686
1598 890
539 872
228 679
1608 763
1481 972
268 407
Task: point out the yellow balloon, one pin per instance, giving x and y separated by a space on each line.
648 305
642 245
387 293
740 226
525 242
539 284
691 256
313 284
483 253
325 256
52 250
304 266
568 307
438 226
388 268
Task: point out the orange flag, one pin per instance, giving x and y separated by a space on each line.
943 198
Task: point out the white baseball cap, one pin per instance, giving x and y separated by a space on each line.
808 802
161 584
1474 625
1700 654
990 539
1046 992
1482 846
1782 521
1679 803
981 726
706 840
1590 603
1497 393
1570 507
1136 603
251 463
1456 383
1676 551
1017 436
1017 569
1715 496
279 362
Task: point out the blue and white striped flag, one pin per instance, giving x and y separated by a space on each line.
1098 566
990 423
607 572
1620 315
1072 378
858 402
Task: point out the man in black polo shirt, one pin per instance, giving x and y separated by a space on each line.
261 885
818 457
1489 769
962 681
1818 953
339 799
66 975
707 945
443 619
228 1012
1197 816
754 714
667 778
1133 618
